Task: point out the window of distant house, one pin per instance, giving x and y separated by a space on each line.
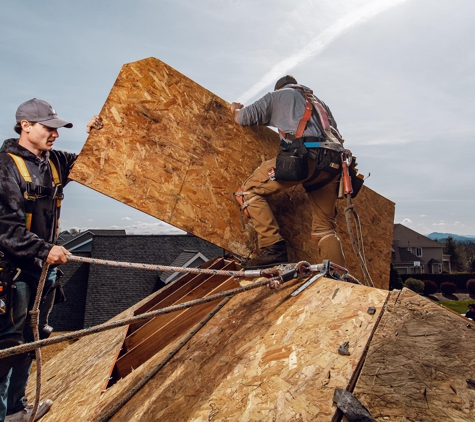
418 251
409 249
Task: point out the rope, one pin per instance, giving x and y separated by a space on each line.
156 267
357 243
34 320
127 321
157 368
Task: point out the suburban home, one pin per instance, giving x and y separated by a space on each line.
95 293
414 253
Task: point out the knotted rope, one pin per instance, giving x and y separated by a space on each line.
34 321
357 242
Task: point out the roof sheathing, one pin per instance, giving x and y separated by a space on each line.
264 353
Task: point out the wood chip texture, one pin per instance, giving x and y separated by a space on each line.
264 357
419 360
171 149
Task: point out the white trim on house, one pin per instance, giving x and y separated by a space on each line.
186 264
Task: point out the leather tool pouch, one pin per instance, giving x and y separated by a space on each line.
292 164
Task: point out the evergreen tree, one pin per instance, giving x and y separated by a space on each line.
395 281
452 248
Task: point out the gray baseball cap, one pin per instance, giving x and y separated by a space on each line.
40 111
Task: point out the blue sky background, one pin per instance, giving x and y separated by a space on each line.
397 74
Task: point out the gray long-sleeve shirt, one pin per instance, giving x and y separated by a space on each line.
282 109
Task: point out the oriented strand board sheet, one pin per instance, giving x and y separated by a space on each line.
376 215
417 366
265 357
76 377
171 149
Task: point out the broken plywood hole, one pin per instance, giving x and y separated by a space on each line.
145 339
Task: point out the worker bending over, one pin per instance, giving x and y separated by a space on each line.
311 156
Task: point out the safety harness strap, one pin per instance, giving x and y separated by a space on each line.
305 118
311 103
23 169
20 163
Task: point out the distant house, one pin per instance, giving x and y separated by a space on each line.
95 293
414 253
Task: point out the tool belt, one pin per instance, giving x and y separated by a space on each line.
292 163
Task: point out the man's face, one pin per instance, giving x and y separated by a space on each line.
38 138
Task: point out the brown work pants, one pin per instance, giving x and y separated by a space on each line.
322 202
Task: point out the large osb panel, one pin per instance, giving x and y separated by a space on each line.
265 357
171 149
419 360
376 215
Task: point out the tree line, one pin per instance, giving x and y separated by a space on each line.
462 254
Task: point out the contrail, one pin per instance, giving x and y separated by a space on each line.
318 44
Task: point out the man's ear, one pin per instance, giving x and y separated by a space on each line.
25 125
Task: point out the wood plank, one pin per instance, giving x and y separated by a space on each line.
418 363
169 298
175 326
196 290
171 149
215 263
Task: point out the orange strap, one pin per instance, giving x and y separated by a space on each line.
305 118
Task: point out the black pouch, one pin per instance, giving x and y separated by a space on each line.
291 166
327 160
292 163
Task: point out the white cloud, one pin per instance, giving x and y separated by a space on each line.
406 221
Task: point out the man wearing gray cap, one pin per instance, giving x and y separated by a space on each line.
32 177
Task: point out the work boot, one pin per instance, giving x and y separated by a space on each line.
268 257
25 414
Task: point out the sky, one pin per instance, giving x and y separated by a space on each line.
397 74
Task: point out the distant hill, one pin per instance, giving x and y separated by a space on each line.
458 238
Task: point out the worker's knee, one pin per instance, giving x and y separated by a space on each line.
329 247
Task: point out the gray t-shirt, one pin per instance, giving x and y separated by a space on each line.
282 109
